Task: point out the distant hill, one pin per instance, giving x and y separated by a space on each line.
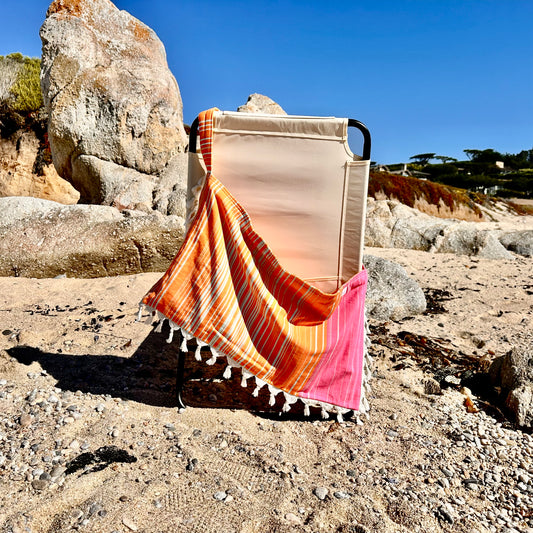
435 198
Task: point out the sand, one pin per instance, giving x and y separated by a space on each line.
220 465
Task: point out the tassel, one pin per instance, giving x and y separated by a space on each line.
150 318
289 400
273 392
324 413
213 358
140 313
159 327
171 334
197 355
259 384
231 364
366 405
183 346
307 412
341 411
245 377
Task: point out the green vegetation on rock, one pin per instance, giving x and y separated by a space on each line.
21 100
27 88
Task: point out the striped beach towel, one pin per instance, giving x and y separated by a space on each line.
226 289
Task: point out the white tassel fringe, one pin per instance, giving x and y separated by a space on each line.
325 408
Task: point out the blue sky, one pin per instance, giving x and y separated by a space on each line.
424 75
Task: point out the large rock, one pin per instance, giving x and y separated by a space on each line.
513 374
465 239
115 109
390 224
520 242
41 239
19 175
391 293
259 103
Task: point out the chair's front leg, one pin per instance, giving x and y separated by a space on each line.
179 379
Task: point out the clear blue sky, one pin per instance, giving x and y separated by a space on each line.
424 75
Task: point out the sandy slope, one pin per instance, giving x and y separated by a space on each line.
117 379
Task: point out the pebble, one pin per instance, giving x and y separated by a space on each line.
25 420
293 519
320 493
130 524
473 469
341 495
39 484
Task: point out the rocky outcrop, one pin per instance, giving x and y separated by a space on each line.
115 112
19 175
41 239
391 293
513 375
390 224
259 103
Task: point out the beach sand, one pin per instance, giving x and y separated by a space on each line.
79 375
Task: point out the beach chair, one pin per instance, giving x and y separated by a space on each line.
270 275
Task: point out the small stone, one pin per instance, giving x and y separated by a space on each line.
228 499
320 493
39 484
293 519
191 465
446 513
25 420
123 498
94 508
76 514
158 504
450 379
130 524
220 496
432 387
341 495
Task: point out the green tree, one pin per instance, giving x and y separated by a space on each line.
445 158
423 159
484 156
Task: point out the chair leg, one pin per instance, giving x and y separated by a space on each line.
179 379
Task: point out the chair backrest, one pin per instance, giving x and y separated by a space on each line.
304 189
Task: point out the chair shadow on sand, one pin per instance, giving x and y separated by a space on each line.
149 376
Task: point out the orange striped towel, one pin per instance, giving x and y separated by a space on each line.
226 289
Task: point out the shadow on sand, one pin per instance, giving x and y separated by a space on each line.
149 376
